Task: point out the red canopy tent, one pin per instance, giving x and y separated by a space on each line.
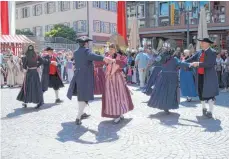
14 43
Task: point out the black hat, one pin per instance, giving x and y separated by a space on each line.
207 40
83 39
48 49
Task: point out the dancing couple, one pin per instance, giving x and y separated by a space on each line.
116 99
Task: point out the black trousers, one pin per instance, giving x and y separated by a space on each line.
201 87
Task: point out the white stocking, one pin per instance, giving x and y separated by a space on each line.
211 105
203 105
81 107
57 94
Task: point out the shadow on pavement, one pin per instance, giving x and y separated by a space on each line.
210 125
170 120
21 111
107 132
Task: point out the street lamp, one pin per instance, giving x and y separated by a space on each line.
186 12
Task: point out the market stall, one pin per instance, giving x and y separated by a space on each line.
14 43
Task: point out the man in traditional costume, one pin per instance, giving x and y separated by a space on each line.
51 75
206 76
82 84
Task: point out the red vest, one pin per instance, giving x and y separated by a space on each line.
52 68
201 70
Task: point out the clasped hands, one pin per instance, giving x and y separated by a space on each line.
54 63
108 60
194 64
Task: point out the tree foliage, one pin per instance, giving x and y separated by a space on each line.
60 30
22 32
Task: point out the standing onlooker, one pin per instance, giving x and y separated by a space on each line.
19 71
142 61
2 75
69 67
219 68
10 72
226 73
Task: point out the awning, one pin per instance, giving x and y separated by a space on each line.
15 39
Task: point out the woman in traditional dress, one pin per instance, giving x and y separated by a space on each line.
153 77
11 71
99 77
2 75
165 94
187 83
116 99
31 91
19 72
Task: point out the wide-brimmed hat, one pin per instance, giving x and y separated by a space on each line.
207 40
83 39
49 49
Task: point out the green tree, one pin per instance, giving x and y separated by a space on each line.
60 30
22 32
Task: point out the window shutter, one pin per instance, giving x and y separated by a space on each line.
46 8
21 15
94 25
94 3
41 29
28 11
46 28
41 9
109 30
111 6
54 6
59 6
34 10
34 30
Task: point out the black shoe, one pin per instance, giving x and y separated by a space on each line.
24 105
209 114
204 110
166 111
38 106
78 122
58 101
85 116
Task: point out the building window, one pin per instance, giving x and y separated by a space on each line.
218 12
16 13
79 4
48 28
96 4
141 11
37 31
105 27
164 9
25 12
37 10
80 26
96 26
104 5
113 28
113 6
50 7
64 6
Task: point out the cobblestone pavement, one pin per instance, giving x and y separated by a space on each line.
146 133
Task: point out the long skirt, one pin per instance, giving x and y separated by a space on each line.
10 78
153 77
165 94
31 91
2 78
116 99
187 84
99 81
19 77
55 82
